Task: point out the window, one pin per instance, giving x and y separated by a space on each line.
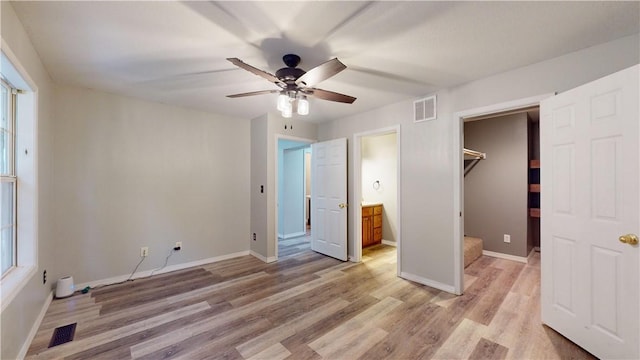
18 175
8 175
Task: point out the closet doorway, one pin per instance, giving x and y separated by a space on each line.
499 196
376 185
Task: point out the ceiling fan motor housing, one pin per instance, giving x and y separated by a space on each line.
289 74
291 60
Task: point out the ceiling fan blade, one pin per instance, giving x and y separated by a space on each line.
321 72
329 95
254 70
261 92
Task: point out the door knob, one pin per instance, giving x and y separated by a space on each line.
342 205
630 239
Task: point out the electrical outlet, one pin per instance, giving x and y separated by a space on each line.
178 245
44 277
254 236
507 238
144 251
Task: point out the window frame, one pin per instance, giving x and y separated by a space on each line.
11 176
28 111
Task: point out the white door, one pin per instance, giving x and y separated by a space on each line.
589 187
329 198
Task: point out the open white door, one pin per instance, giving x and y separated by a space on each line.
329 198
589 180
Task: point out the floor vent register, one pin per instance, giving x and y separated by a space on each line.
63 334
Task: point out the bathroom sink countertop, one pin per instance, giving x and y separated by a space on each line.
369 204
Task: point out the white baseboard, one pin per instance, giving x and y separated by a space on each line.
147 273
428 282
265 259
505 256
36 325
294 235
389 242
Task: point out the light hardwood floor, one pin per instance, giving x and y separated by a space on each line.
308 306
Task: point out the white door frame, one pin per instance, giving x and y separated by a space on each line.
458 179
357 189
277 138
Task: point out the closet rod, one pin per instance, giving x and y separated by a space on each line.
477 154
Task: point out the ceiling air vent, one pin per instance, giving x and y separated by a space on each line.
424 109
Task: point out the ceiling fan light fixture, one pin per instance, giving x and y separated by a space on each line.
303 105
283 99
287 111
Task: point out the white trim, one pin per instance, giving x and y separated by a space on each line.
357 194
458 207
14 282
357 190
458 190
427 282
36 325
263 258
27 209
399 198
498 255
504 106
147 273
22 72
389 242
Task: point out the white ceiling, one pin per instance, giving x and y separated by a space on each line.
174 52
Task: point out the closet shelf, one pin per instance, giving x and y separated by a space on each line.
534 188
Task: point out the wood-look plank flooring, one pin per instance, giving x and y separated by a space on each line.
308 306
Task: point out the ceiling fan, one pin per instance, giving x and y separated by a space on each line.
296 84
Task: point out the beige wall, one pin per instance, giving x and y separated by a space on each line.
426 185
265 131
259 179
380 163
427 206
19 316
496 189
132 173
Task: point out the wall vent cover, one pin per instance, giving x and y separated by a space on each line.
425 109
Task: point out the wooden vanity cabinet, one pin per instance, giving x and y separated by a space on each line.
371 225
